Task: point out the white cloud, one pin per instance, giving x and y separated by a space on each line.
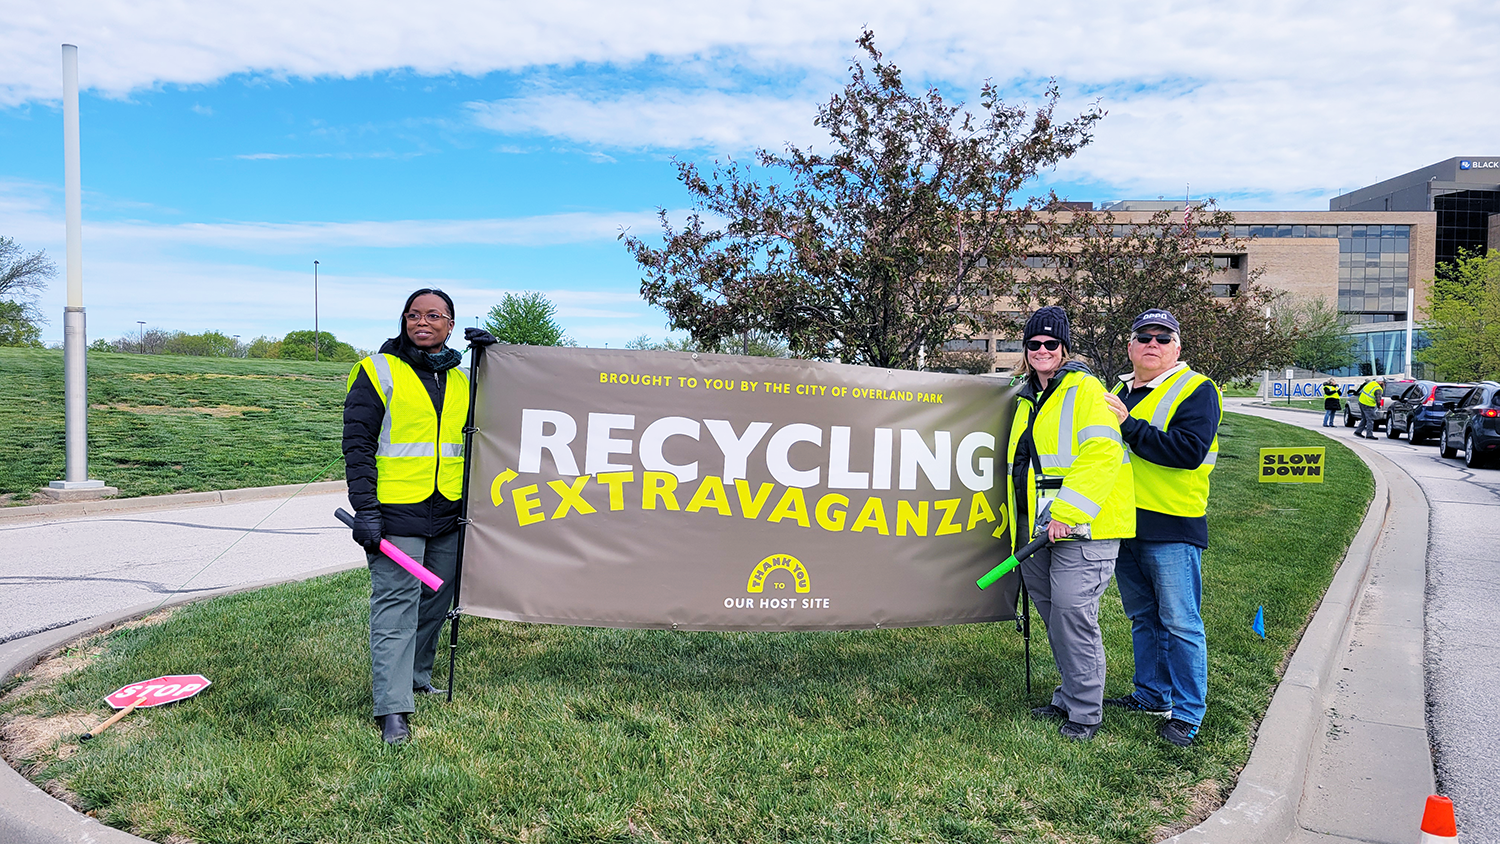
660 118
1279 100
545 230
136 271
252 300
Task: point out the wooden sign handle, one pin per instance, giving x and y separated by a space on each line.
113 718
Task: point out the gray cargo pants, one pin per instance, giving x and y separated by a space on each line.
1366 420
1066 581
406 617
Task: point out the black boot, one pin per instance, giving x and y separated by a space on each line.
394 728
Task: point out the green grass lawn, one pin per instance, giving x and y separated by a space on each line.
561 734
167 423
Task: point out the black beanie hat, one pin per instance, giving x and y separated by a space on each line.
1051 321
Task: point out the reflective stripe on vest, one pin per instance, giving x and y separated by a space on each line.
1069 435
1081 501
1064 456
417 452
1176 492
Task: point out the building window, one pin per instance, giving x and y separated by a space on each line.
1225 291
967 344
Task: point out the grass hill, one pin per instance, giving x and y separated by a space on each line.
165 423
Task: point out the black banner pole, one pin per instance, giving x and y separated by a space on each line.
1025 625
456 612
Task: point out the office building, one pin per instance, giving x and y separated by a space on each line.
1362 255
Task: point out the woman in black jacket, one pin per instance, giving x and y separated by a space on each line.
404 415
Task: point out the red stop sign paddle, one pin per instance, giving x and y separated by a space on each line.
158 691
148 694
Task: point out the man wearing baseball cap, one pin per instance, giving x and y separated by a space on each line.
1169 418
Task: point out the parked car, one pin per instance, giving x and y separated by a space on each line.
1351 400
1474 426
1418 411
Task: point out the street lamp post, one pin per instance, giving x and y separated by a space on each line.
76 482
316 339
142 324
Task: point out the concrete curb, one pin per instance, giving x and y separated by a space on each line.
73 509
29 815
1262 808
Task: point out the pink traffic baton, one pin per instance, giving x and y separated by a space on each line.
400 557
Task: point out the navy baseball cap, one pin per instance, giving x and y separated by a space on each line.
1155 316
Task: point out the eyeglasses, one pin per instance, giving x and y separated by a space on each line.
1144 339
1033 345
413 316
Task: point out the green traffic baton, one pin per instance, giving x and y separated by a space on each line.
1012 561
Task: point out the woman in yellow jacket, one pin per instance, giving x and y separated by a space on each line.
1066 455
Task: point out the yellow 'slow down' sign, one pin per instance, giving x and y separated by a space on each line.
1291 465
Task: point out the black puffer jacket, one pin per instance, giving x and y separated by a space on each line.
364 413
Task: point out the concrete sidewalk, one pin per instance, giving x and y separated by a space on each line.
1341 755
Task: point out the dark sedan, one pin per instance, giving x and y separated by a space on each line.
1418 411
1474 426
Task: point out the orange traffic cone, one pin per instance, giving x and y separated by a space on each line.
1437 821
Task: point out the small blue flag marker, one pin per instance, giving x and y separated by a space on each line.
1259 625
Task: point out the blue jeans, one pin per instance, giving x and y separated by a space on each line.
1161 588
1328 417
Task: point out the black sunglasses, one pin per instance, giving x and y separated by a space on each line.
1033 345
1163 339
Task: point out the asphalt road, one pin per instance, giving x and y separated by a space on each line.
61 570
1463 626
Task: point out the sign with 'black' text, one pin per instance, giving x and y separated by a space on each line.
1291 465
622 488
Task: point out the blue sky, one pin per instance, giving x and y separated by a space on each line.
500 147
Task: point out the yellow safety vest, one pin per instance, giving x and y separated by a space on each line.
1367 393
1330 391
1077 438
1176 492
417 451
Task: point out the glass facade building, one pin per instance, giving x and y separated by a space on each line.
1463 221
1384 353
1374 265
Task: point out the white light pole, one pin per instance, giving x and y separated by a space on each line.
1411 319
316 338
142 324
75 482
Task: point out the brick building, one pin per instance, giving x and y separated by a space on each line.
1363 254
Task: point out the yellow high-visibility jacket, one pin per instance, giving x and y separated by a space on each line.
417 451
1368 394
1077 438
1163 489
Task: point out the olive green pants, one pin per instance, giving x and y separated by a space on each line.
406 618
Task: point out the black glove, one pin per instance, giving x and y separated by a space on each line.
479 337
368 528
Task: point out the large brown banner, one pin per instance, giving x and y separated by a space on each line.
710 492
